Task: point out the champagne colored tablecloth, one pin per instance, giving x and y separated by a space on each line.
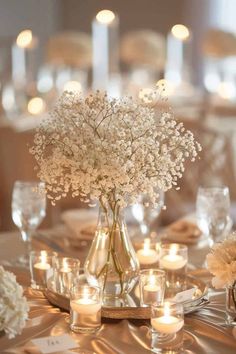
203 330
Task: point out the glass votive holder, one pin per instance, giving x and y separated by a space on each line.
40 268
85 308
174 259
167 322
151 286
65 274
148 254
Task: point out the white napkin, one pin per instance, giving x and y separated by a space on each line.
81 222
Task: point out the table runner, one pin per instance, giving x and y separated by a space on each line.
203 331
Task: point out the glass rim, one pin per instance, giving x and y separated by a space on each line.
152 271
67 259
171 304
80 287
30 182
47 253
179 246
213 188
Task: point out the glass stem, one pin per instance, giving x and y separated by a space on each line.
26 237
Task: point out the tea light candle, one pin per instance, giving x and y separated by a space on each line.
85 306
173 261
146 255
152 291
167 324
43 265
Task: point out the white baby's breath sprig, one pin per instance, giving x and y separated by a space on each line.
110 149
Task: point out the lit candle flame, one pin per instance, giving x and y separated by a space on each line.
166 309
72 86
173 249
43 257
36 105
180 32
146 245
105 16
24 39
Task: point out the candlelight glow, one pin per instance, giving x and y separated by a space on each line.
173 249
168 87
226 90
180 32
72 86
166 309
146 95
24 39
43 257
36 105
146 245
105 16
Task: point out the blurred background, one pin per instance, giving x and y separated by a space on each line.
187 45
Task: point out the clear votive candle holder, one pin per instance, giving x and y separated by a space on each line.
167 322
151 286
40 268
148 254
85 308
174 259
65 274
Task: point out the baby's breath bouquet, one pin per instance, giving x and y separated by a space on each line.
111 150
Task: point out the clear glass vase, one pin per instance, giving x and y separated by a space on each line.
231 304
111 262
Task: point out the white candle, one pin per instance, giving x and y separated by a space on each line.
167 324
172 262
178 54
146 255
105 50
85 306
42 266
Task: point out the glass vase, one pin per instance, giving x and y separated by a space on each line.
231 304
111 263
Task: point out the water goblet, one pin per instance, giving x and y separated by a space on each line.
28 210
146 215
213 208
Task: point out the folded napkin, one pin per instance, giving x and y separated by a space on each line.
183 231
81 222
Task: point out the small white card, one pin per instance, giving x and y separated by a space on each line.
184 295
54 344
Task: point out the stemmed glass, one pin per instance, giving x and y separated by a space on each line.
213 208
146 215
28 210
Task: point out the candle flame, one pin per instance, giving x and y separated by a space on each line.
173 249
166 309
72 86
105 16
146 245
180 32
24 39
167 87
36 105
226 90
152 280
43 257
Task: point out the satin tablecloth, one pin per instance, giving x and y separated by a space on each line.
203 331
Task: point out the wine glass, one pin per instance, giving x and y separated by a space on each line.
146 215
28 210
213 208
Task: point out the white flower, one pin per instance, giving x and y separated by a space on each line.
221 262
110 149
13 305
